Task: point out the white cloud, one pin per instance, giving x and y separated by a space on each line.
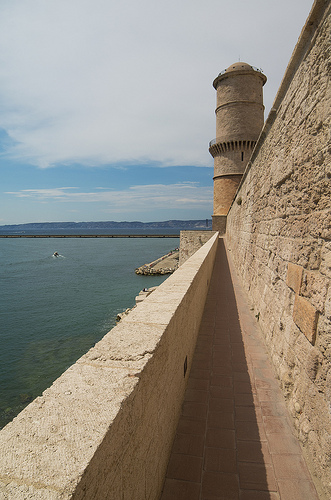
186 195
53 193
104 81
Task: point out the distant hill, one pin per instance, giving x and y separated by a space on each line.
51 226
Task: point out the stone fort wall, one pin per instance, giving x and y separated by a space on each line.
190 242
279 232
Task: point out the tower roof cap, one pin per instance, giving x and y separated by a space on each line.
240 67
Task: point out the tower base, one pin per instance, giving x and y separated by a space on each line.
219 223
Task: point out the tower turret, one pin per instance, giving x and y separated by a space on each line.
239 121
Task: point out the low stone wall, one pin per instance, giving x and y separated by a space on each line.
104 429
278 230
190 242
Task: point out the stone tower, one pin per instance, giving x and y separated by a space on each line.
239 121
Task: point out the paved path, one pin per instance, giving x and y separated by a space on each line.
234 439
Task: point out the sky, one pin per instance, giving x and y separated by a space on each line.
107 106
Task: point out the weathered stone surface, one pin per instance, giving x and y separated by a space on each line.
282 230
15 491
219 223
225 188
314 287
305 317
190 242
294 277
326 260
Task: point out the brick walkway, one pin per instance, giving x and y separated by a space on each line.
234 439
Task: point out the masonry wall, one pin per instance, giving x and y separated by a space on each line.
279 232
190 242
104 429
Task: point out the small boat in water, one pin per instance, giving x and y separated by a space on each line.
55 254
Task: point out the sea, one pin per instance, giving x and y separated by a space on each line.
53 309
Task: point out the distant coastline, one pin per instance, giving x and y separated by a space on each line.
105 227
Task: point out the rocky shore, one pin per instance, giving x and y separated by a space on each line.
166 264
139 298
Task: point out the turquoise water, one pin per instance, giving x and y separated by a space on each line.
52 310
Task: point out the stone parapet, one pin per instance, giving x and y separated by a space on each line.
104 429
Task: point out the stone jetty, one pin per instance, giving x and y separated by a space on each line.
166 264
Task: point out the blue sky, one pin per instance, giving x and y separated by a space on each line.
107 106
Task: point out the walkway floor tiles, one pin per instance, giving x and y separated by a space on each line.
234 437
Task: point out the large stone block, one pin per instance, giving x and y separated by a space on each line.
305 317
294 277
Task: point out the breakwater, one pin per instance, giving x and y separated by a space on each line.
166 264
89 236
